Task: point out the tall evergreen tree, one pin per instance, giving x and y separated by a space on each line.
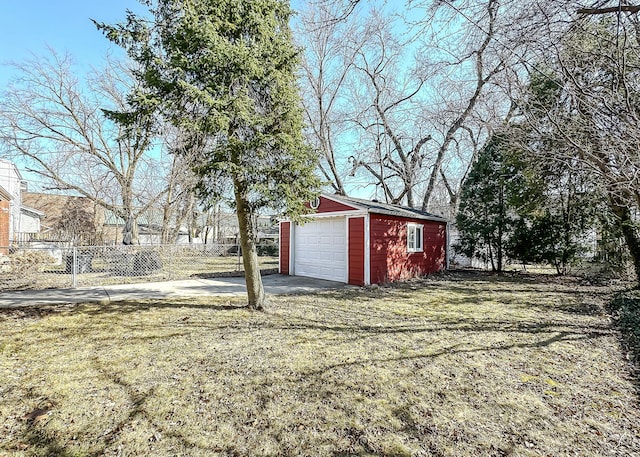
484 218
224 71
518 206
556 211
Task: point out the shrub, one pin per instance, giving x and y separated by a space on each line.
27 262
268 249
146 262
626 313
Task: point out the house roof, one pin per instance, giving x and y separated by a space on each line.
33 211
151 218
4 194
375 207
10 164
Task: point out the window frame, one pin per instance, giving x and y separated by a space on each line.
418 234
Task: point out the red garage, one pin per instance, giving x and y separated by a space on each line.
363 242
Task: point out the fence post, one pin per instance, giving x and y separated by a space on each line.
74 268
238 247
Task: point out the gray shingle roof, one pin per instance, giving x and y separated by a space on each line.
386 208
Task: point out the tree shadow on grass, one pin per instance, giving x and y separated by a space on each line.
122 307
35 437
323 322
34 312
136 410
587 303
561 336
317 313
40 441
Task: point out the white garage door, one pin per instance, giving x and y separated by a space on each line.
320 249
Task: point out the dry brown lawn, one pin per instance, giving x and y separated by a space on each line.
458 365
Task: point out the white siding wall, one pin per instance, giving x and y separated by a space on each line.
10 179
29 223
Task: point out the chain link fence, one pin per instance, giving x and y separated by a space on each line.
61 267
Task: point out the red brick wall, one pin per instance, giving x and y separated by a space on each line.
390 260
4 226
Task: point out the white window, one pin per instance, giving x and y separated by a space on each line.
414 237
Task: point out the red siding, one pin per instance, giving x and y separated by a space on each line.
285 242
329 206
356 251
390 260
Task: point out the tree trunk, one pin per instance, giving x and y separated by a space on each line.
500 225
131 220
629 232
166 214
493 265
255 290
135 238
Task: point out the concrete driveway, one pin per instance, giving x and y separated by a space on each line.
234 286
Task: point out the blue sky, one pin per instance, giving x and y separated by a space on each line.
29 26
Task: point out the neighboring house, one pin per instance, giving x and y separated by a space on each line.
223 228
220 227
5 227
67 218
459 260
30 220
83 222
363 242
22 219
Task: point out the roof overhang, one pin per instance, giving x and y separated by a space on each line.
4 194
395 210
35 212
365 207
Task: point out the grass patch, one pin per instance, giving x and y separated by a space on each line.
453 366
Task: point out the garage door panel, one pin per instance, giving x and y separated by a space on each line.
320 249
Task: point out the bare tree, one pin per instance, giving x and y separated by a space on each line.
179 203
424 95
388 94
584 96
330 49
476 52
428 90
61 129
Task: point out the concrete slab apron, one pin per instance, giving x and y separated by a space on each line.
234 286
177 289
52 297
